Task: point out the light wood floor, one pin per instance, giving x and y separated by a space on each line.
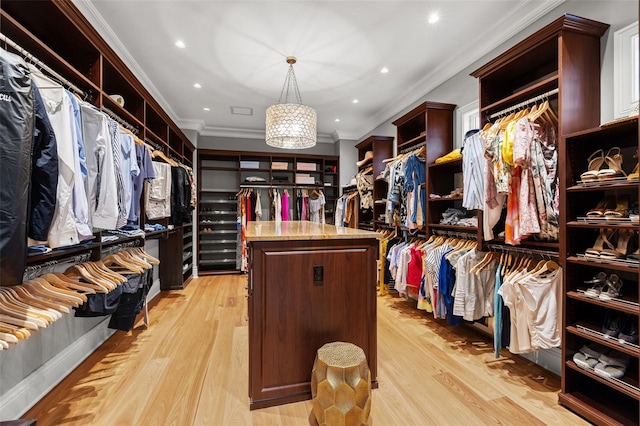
189 367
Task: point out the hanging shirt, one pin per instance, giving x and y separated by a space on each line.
129 168
63 230
79 199
316 209
147 172
473 172
158 192
101 179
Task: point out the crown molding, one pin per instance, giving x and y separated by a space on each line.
234 132
93 16
525 14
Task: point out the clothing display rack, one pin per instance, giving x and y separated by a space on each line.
34 271
121 121
38 63
529 251
535 99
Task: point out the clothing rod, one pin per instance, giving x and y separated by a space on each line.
38 63
116 117
524 250
458 234
412 148
153 144
525 103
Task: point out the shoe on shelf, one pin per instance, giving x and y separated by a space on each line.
594 163
629 331
623 245
596 284
612 290
611 326
602 242
613 365
604 205
613 161
634 174
620 210
587 356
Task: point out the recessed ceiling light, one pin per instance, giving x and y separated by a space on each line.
337 120
433 18
384 70
355 101
197 85
206 109
180 44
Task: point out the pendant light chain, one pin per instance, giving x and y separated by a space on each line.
289 81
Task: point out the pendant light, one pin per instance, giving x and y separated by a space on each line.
289 123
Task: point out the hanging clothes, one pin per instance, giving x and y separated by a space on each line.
146 174
17 130
101 179
63 230
158 192
316 207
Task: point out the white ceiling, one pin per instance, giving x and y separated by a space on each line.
236 50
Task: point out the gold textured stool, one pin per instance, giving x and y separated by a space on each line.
341 385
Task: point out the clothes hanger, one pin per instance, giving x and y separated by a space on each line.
41 303
10 307
82 289
12 297
27 324
78 271
37 289
64 294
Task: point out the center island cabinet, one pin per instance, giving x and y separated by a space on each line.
309 284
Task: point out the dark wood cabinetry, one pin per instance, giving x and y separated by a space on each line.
294 309
381 148
560 63
600 399
430 124
45 28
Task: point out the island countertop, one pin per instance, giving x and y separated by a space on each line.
303 230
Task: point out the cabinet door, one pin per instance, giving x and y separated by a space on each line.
304 297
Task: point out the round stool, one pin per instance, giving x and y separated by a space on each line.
341 385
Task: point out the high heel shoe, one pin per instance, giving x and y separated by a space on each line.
613 161
594 163
606 204
620 210
599 245
596 285
622 246
614 285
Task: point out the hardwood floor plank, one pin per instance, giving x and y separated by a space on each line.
190 367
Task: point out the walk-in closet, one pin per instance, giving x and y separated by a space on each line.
333 213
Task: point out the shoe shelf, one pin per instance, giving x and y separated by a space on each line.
619 304
627 385
606 185
587 222
590 332
617 264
